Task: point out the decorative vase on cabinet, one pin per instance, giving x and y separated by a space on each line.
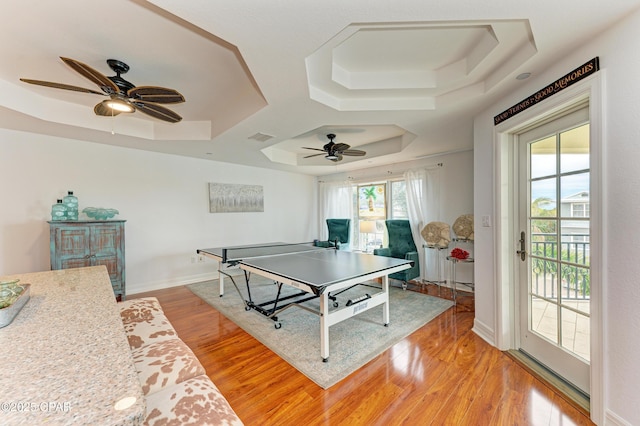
76 244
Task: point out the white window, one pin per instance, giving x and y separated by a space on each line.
374 202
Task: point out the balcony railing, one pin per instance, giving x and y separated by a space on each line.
574 267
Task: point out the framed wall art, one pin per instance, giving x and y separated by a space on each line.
233 198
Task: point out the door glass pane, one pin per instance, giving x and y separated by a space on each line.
543 157
543 198
575 333
582 345
543 278
544 318
576 287
574 189
574 241
574 149
544 238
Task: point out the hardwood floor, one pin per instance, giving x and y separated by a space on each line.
443 374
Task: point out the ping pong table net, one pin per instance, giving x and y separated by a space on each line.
237 254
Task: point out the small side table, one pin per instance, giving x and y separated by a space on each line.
440 280
454 263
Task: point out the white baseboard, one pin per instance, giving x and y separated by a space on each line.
612 419
485 332
159 285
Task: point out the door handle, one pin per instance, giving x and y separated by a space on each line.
522 252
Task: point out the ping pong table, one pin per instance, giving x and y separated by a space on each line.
317 272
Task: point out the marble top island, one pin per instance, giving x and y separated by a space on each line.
65 358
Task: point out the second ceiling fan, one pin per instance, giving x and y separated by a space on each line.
334 151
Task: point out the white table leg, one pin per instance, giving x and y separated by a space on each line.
324 326
220 279
385 306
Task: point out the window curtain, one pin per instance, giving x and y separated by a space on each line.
335 201
423 206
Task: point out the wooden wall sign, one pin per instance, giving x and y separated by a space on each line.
560 84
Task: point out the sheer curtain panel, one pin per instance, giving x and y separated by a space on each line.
423 205
335 201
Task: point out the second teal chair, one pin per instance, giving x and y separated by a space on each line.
401 246
340 231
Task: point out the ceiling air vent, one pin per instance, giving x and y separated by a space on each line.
261 137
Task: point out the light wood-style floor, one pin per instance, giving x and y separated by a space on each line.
443 374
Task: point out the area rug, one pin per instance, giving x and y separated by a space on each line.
352 343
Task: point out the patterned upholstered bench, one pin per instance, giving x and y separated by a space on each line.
176 387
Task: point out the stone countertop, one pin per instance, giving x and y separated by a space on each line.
65 358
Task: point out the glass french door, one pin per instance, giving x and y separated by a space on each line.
554 272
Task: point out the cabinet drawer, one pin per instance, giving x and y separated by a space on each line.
79 262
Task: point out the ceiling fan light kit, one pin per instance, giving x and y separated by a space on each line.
119 105
124 95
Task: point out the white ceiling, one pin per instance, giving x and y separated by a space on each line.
400 80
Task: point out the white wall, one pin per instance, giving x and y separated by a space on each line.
619 52
164 199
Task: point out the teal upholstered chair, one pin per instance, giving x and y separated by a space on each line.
401 246
339 230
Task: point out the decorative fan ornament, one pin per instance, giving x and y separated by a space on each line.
123 95
334 151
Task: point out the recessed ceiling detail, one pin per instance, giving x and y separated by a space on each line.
209 71
376 140
355 68
414 66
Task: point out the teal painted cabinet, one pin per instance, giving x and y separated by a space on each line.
76 244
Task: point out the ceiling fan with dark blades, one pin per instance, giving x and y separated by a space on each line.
123 95
334 151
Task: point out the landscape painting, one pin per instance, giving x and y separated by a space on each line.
372 201
233 198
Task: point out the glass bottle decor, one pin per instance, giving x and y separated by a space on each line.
59 211
71 203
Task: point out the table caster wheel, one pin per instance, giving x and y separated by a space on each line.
278 326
